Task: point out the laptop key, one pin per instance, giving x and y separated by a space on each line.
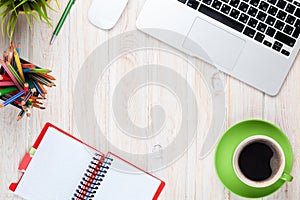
297 13
277 46
221 18
234 3
281 15
259 37
234 13
290 19
297 3
296 33
252 22
272 1
226 1
262 27
243 7
288 29
263 6
270 20
285 39
208 2
182 1
249 32
290 8
216 4
285 52
193 4
252 11
270 31
261 16
279 25
267 43
281 4
297 24
254 3
272 10
225 9
243 18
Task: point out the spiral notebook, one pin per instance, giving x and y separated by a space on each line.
61 167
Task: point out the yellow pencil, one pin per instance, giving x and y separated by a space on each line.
18 63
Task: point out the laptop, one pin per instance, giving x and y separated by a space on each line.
255 41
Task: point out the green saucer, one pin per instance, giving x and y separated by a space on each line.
227 145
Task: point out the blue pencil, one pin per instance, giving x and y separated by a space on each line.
26 70
12 99
38 88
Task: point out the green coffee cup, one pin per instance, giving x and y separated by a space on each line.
236 141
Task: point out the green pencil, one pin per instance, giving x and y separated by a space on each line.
7 90
62 20
40 70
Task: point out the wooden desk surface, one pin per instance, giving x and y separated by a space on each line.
189 177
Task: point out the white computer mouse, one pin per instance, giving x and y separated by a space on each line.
106 13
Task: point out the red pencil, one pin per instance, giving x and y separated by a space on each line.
4 77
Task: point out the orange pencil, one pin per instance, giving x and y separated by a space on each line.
28 65
47 76
42 87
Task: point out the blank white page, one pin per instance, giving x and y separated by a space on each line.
124 181
56 169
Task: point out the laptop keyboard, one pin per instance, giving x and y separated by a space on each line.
273 23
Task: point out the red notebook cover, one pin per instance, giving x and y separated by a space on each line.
30 155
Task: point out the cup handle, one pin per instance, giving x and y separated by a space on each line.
286 177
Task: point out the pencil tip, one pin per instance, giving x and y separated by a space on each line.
52 39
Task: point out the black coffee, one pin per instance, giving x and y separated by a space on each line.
254 161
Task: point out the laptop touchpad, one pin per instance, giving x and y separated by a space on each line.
213 44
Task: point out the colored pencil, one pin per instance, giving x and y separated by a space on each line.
19 66
7 90
5 56
39 90
26 70
26 87
28 66
7 83
40 70
42 88
26 98
4 77
22 84
13 103
19 49
12 99
10 74
47 76
41 80
16 75
20 115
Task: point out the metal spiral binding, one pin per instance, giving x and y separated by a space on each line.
92 178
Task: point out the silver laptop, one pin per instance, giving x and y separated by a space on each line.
255 41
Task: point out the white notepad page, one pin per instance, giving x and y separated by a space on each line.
124 181
56 169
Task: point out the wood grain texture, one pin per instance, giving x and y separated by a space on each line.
189 178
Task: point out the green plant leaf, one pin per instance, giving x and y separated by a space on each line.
10 9
13 20
4 16
27 11
20 4
4 5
